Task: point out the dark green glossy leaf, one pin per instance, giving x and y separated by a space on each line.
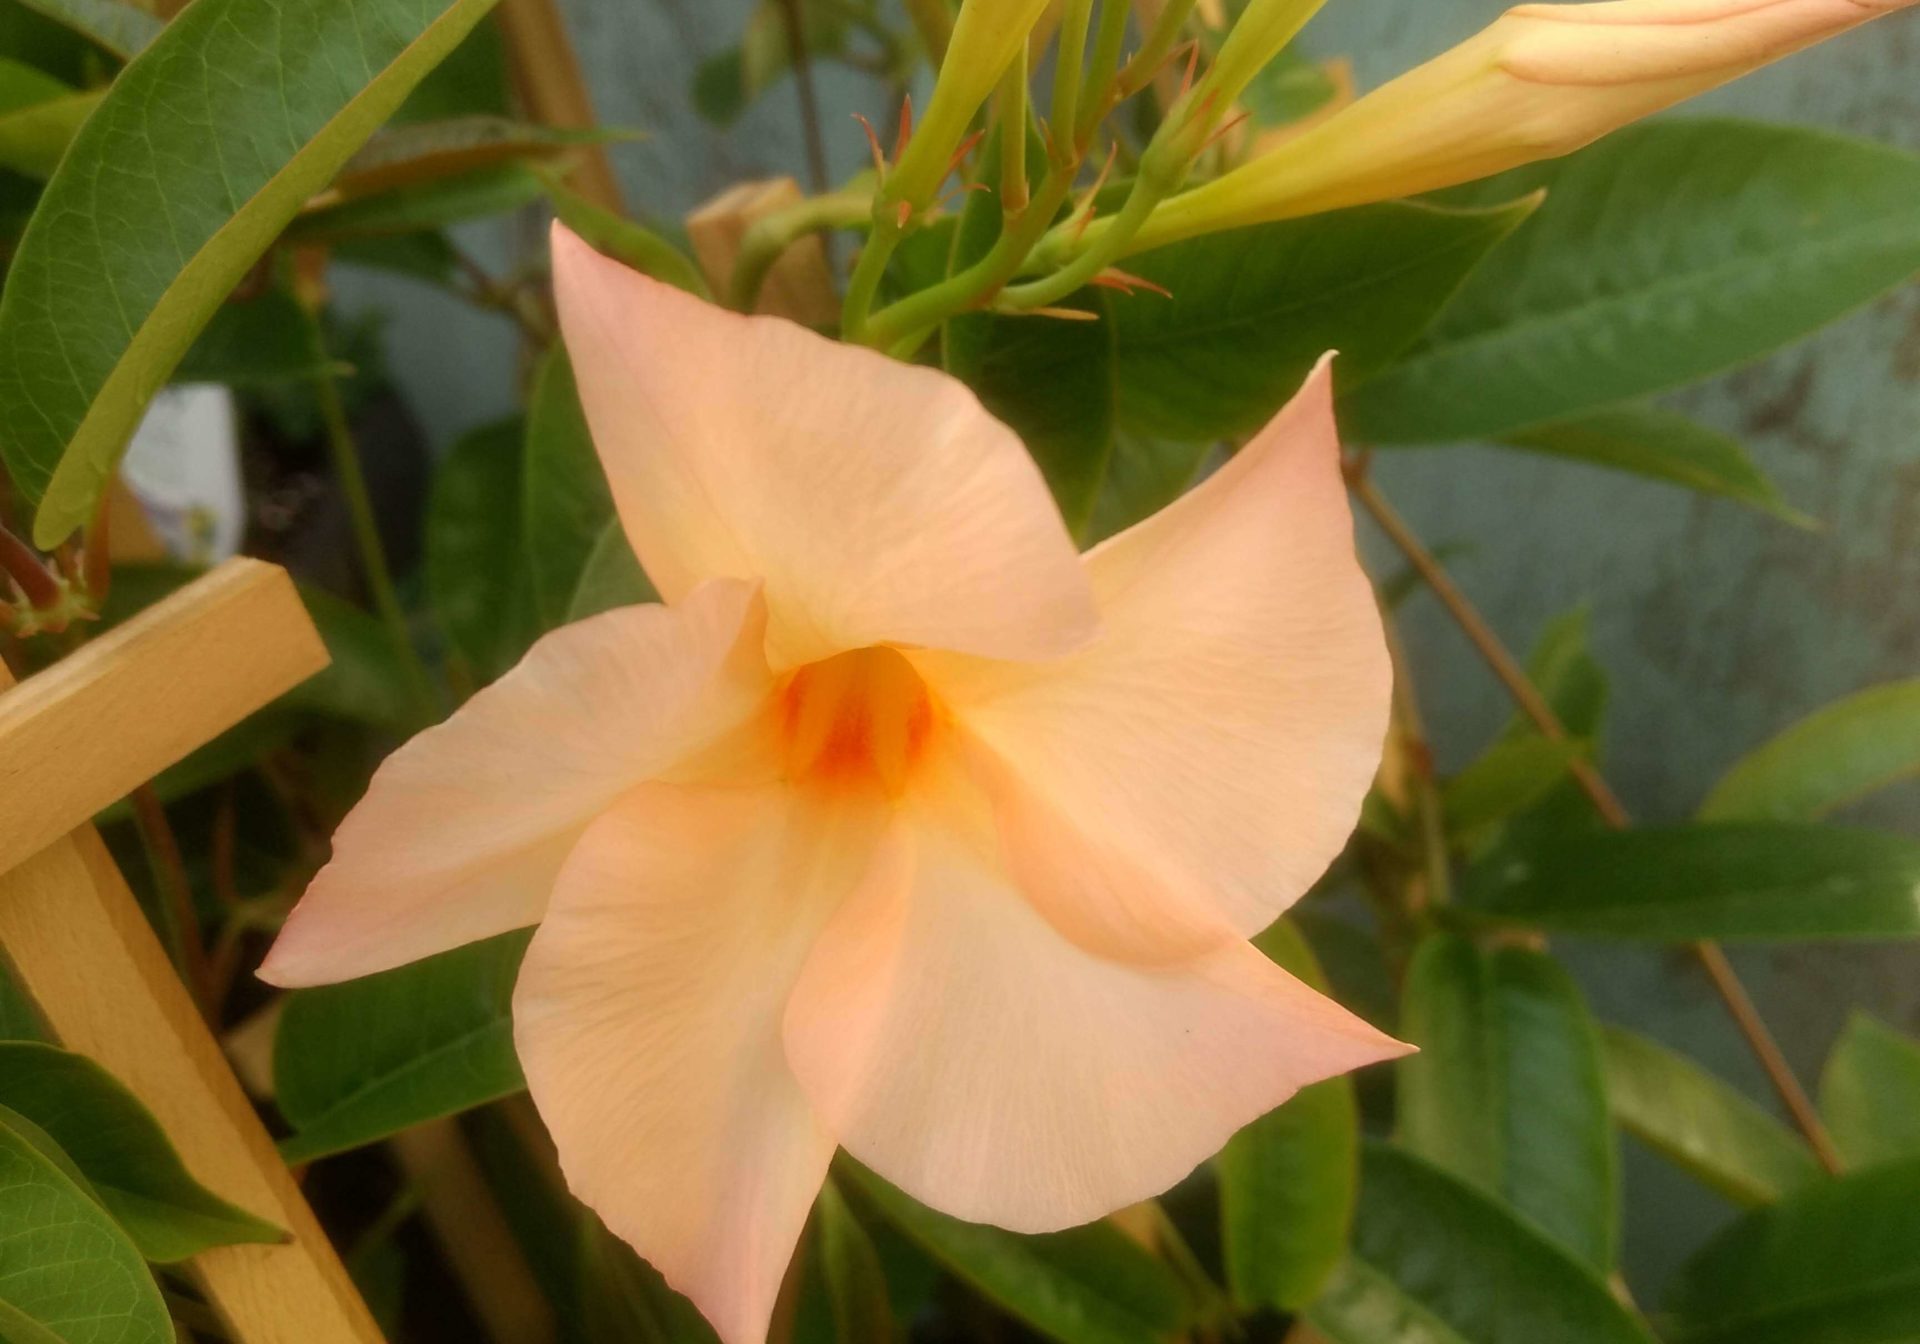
1289 1180
1870 1092
1508 1090
1437 1262
123 1153
1508 777
1253 309
476 576
1727 880
118 26
101 304
1143 476
610 577
19 1018
564 499
856 1285
356 1062
1835 1263
67 1272
1661 444
1052 381
1087 1285
1700 1124
1663 253
420 206
1833 757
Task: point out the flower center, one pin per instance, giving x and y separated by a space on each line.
858 718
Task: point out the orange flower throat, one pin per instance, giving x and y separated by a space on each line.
861 718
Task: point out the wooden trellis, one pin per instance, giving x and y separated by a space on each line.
73 740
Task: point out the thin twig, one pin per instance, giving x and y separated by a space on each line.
1606 803
182 929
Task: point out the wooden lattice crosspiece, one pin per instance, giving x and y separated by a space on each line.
74 739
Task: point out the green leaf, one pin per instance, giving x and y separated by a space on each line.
249 342
1253 309
1051 380
856 1285
611 577
123 1153
34 137
625 241
475 578
425 256
425 151
1436 1262
564 499
355 1062
1143 476
1835 1263
1289 1180
67 1272
1664 253
1508 1090
1727 880
1701 1124
1870 1092
1289 88
1509 777
1834 756
421 206
1664 445
101 304
121 28
1087 1285
19 1018
24 85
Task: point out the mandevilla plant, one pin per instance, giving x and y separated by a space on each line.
883 802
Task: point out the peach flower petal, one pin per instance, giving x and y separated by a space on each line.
1186 778
966 1051
463 828
879 502
647 1017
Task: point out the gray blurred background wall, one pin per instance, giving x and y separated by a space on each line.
1718 625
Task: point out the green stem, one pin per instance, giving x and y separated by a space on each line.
867 273
771 235
1013 136
1106 249
1107 45
366 532
1146 62
1069 69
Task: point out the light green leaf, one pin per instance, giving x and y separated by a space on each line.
1664 253
355 1062
611 577
1834 756
123 1153
1253 309
1437 1262
101 304
564 499
1087 1285
1870 1092
625 241
1508 777
1289 1180
122 28
1664 445
67 1272
856 1285
24 85
1508 1090
33 138
1835 1263
1727 880
476 578
1700 1124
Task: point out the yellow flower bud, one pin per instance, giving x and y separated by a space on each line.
1260 33
1542 81
987 35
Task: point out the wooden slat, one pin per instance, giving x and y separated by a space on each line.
78 941
82 734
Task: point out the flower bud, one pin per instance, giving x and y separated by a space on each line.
1542 81
987 35
1260 33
